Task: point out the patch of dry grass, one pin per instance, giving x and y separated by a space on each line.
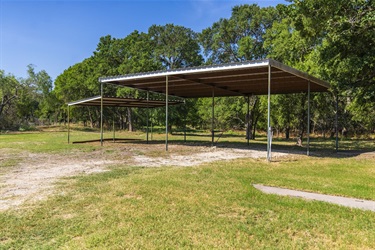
209 206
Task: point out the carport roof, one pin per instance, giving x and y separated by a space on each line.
235 79
122 102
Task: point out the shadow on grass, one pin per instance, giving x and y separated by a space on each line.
319 147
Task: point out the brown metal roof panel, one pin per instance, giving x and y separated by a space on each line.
232 79
122 102
187 71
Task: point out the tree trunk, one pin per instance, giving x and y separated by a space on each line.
91 118
1 109
252 116
287 133
302 120
57 114
120 122
5 100
248 126
130 121
123 122
255 126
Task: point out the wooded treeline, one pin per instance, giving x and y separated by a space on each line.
332 40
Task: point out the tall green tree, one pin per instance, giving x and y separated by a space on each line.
175 46
24 100
132 54
286 44
10 89
40 87
113 56
37 88
347 32
77 82
344 32
239 37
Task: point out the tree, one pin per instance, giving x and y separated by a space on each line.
344 35
39 94
24 99
175 46
77 82
113 56
240 37
9 91
290 46
132 54
347 32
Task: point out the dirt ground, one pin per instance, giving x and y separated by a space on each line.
34 175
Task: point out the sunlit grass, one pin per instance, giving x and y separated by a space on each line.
57 140
208 206
211 206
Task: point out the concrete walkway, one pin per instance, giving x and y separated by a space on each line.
343 201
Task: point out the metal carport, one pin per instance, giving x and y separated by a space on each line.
260 77
101 101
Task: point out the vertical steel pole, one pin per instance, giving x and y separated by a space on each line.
151 130
269 116
248 121
148 111
101 114
166 113
113 128
308 118
337 122
213 117
185 121
68 124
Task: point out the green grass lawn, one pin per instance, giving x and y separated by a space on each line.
209 206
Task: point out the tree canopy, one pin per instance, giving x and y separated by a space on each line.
332 40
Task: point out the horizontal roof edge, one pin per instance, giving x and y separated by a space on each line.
229 79
297 72
200 69
122 101
84 100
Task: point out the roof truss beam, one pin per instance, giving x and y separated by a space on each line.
214 85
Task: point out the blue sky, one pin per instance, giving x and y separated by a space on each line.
53 35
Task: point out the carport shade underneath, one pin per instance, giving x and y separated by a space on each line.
260 77
131 102
234 79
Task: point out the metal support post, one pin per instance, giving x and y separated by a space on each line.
308 118
213 117
151 130
101 114
68 124
166 113
113 128
248 121
185 121
269 116
148 111
337 122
